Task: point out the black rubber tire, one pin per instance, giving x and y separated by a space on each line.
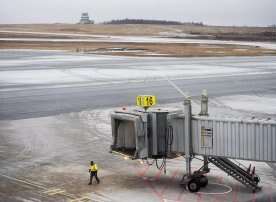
193 185
203 181
256 179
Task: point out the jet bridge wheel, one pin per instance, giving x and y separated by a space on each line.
256 179
194 185
203 180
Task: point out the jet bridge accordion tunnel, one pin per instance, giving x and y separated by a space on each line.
159 134
141 135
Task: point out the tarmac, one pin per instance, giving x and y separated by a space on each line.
55 110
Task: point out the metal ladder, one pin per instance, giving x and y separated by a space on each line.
238 173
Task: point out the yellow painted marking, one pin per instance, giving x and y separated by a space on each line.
82 199
52 192
23 181
57 192
34 183
68 195
146 100
95 197
121 154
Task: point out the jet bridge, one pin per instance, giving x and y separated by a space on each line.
249 139
161 134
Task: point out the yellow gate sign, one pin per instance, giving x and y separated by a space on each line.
146 101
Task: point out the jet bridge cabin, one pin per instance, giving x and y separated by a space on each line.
128 134
141 135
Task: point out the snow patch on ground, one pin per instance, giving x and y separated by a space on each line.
262 104
53 58
55 75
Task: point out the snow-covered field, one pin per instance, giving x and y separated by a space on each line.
132 39
122 39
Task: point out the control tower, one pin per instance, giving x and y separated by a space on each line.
85 19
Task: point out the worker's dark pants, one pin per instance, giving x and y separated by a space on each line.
92 174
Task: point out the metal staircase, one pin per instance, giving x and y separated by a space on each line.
250 180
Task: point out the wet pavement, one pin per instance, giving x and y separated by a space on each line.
46 159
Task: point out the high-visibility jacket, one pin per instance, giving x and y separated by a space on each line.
94 168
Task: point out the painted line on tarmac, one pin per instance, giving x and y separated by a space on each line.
95 196
52 192
36 185
57 191
82 199
23 181
217 193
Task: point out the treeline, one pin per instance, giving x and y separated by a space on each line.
154 22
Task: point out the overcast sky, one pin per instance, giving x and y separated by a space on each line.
215 12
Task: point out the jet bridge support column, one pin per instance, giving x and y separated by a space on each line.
204 112
188 134
193 181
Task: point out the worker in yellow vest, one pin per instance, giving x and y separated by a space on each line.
93 170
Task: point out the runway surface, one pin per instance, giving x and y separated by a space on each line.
43 83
